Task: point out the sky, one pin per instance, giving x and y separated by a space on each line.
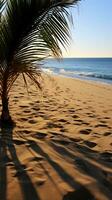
92 30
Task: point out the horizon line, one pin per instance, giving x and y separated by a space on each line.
82 57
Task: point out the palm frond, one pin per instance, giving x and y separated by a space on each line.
2 2
31 30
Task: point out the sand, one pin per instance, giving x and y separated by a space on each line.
61 146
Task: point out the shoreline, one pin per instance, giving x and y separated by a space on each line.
83 79
90 79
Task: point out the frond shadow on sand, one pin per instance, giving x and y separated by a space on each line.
8 155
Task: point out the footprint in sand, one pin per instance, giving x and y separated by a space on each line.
23 106
92 116
45 117
77 123
16 97
21 93
15 100
78 100
85 123
71 110
37 101
26 111
61 141
102 121
53 110
23 119
36 109
40 181
101 125
88 113
76 139
19 142
41 112
106 117
63 130
41 135
27 131
31 104
62 120
79 109
52 125
85 131
90 144
75 116
32 121
79 120
107 133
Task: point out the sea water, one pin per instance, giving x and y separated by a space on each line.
95 69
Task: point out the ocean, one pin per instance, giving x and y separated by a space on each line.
94 69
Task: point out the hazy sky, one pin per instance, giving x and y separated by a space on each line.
92 31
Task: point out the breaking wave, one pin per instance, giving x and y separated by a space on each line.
77 74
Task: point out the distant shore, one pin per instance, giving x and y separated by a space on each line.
61 147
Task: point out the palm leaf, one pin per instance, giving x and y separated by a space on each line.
2 2
31 30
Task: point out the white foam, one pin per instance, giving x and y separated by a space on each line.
48 71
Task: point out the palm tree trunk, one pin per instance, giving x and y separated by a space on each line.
5 116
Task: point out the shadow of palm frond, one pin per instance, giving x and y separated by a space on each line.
81 194
3 169
7 146
62 173
65 176
85 161
87 164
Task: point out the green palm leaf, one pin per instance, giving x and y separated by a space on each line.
30 31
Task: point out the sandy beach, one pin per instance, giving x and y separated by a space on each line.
61 146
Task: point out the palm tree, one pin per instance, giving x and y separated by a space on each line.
2 2
30 30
